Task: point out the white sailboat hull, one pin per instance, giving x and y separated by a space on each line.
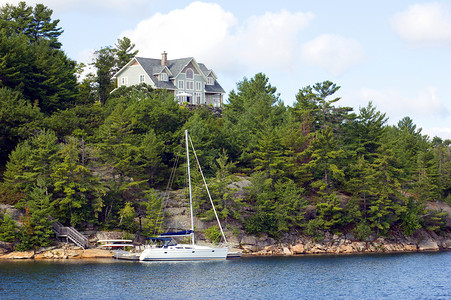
184 253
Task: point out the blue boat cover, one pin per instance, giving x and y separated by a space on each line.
177 233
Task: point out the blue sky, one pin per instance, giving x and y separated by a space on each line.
396 54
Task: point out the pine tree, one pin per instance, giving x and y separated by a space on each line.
37 227
78 194
8 228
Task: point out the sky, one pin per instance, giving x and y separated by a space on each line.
396 54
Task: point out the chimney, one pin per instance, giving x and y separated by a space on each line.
164 58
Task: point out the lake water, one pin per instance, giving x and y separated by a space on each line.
394 276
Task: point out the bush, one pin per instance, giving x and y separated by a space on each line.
213 234
363 230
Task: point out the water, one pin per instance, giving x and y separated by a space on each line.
395 276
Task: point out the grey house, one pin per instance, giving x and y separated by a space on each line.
188 80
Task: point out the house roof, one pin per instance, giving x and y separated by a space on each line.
153 67
215 88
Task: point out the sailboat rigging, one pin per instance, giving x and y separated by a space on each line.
165 248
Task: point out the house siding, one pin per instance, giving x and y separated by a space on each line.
132 74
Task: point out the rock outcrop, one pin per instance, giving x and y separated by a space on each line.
60 253
334 244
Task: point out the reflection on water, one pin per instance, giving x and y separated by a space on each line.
400 276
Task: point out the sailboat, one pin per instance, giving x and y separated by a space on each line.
165 248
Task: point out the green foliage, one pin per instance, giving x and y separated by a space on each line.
435 220
18 119
32 159
213 234
84 154
127 218
42 73
363 230
411 219
107 61
36 24
8 228
154 214
78 194
314 228
278 208
222 193
36 230
330 213
254 105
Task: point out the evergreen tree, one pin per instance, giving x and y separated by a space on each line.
254 105
150 156
104 62
78 194
35 23
442 154
109 60
19 118
268 155
118 156
384 207
37 227
124 52
31 160
8 228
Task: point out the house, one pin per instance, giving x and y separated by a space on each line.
187 79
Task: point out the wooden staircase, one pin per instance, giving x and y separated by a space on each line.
71 234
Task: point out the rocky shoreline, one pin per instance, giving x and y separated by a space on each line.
264 246
66 252
333 244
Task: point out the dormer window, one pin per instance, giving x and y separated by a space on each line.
189 74
163 77
210 81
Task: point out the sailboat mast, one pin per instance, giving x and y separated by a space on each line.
189 186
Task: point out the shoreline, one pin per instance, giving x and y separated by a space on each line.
71 253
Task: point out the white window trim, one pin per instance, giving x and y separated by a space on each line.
186 73
198 86
163 77
180 84
124 81
142 78
190 85
210 81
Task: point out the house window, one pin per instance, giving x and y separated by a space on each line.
180 84
141 78
210 80
198 86
198 97
163 77
124 80
189 74
189 85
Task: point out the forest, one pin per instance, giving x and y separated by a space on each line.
74 151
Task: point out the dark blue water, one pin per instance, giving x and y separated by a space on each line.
400 276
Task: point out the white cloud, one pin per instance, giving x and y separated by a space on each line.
424 24
425 105
443 132
195 31
215 37
270 40
334 53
